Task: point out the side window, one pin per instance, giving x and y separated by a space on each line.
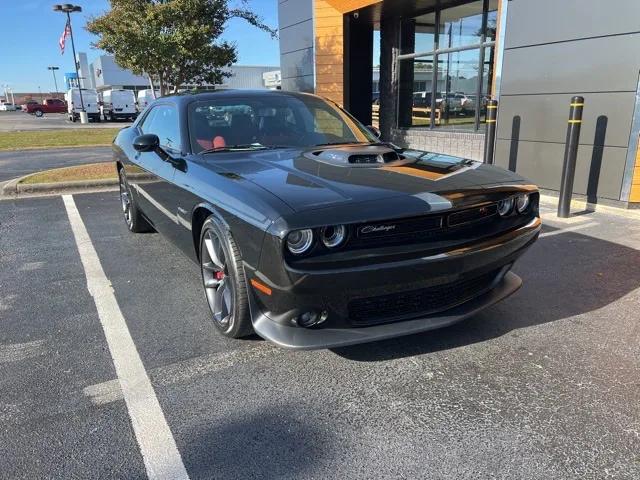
162 121
147 120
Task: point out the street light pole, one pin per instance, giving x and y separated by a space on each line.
68 9
53 70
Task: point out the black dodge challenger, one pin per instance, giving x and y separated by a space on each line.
310 231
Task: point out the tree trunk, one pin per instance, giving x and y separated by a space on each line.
153 89
162 85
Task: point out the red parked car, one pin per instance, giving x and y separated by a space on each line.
48 105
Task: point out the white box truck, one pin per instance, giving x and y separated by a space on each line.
90 100
145 97
119 104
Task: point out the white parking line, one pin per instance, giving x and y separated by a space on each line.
568 229
158 447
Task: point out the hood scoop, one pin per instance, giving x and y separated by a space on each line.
371 156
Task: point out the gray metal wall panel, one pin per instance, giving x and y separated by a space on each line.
544 117
542 163
296 37
294 11
545 21
297 58
299 84
297 64
558 49
592 65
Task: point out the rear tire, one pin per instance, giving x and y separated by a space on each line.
38 113
223 279
134 220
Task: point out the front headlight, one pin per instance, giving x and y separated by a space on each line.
505 207
333 236
522 203
300 241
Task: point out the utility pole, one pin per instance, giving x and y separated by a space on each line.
53 70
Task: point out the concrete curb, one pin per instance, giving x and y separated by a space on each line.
15 188
53 147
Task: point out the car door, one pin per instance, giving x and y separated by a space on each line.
153 185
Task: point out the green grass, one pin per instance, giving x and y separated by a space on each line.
95 171
56 138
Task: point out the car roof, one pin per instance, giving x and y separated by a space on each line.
198 96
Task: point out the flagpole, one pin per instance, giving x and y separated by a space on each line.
75 62
68 8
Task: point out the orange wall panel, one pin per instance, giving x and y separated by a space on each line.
344 6
635 183
329 40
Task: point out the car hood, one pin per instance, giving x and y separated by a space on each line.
304 181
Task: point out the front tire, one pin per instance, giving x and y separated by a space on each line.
38 113
223 280
136 223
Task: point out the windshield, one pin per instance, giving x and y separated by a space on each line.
270 121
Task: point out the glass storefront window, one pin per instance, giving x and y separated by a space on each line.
425 33
461 25
457 88
459 75
416 77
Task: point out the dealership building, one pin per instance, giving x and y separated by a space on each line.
424 69
105 74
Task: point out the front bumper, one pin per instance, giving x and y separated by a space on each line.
333 290
310 339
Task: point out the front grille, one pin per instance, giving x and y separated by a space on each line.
472 215
444 227
393 307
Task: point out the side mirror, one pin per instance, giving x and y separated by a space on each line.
146 143
374 130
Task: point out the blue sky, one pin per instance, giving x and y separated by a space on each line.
30 30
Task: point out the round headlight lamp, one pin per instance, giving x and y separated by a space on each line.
300 241
522 203
505 207
333 236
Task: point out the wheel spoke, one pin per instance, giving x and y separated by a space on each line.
210 267
211 283
215 251
220 310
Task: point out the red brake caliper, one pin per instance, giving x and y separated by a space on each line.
219 275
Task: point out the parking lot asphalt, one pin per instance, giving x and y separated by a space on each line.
16 163
16 121
543 385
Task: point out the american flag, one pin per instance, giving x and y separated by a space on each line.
63 37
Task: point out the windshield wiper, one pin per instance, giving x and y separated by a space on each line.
339 143
233 148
